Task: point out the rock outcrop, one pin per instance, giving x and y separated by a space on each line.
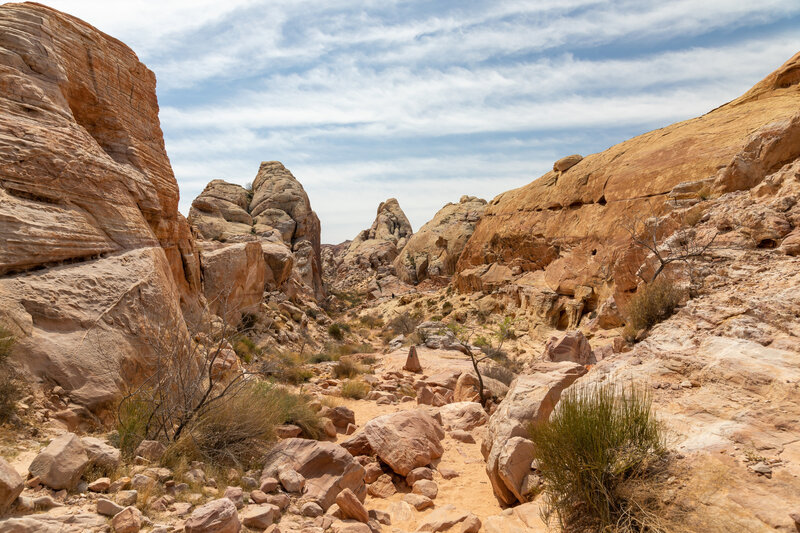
559 246
365 265
276 210
95 254
436 247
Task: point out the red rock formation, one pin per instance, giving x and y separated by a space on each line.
563 237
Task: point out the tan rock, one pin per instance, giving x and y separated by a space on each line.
412 362
216 516
418 501
791 243
382 487
129 520
351 506
11 485
151 450
566 163
570 346
444 518
101 454
530 398
404 440
463 416
426 487
259 517
327 468
234 277
61 464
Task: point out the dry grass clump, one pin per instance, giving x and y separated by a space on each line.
404 324
337 330
347 368
286 367
652 303
599 443
246 349
238 431
371 321
355 389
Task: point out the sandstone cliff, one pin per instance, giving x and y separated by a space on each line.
436 247
94 252
560 245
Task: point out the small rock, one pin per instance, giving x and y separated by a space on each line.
351 507
61 464
260 516
418 501
380 516
291 480
351 428
448 473
462 436
129 520
248 483
269 484
127 498
686 384
382 487
417 474
288 431
108 508
11 485
372 471
311 510
236 495
426 487
761 468
151 450
217 516
99 485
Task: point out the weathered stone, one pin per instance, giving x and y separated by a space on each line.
291 479
327 467
572 346
383 487
216 516
404 440
106 507
351 506
11 485
463 416
412 362
61 464
425 487
129 520
260 517
418 501
101 454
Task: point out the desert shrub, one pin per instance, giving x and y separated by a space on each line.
371 321
447 308
133 416
404 324
652 303
245 348
332 351
337 330
10 388
598 440
312 313
238 430
406 390
355 389
347 368
286 367
369 360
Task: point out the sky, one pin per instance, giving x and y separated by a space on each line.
426 101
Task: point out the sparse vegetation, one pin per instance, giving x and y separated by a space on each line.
337 330
599 441
286 367
404 324
371 321
245 348
10 390
652 303
355 389
347 368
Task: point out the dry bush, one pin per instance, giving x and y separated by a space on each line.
239 430
245 348
404 324
355 389
347 368
371 321
286 367
10 388
599 442
337 330
652 303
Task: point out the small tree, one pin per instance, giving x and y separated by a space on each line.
684 245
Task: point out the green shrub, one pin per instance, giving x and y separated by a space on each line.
337 331
598 441
132 418
347 368
652 303
355 389
246 349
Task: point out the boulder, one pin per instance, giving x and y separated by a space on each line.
566 163
216 516
101 454
234 277
62 463
791 243
383 487
444 518
351 506
341 416
129 520
11 485
259 517
327 468
152 450
571 346
530 399
426 487
463 416
404 440
467 387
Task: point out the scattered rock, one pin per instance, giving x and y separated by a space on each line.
129 520
462 436
260 517
61 464
236 495
351 507
383 487
99 485
571 346
291 479
151 450
11 485
463 416
418 501
426 487
216 516
445 518
108 508
311 509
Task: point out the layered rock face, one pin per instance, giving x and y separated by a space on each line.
94 252
559 246
277 210
436 247
366 264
